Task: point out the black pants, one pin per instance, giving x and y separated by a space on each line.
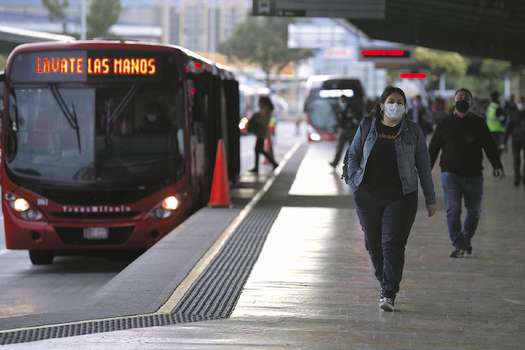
259 149
499 139
518 146
386 223
345 137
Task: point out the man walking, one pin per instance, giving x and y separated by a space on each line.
348 121
496 121
516 128
461 137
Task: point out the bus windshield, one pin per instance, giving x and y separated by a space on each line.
124 135
322 112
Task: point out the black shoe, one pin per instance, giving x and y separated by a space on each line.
332 164
457 253
387 304
468 245
254 170
275 166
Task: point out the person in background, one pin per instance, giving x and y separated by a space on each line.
261 119
347 122
516 128
154 121
438 110
418 114
460 138
495 116
385 159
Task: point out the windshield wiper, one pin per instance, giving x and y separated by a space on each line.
71 116
28 171
123 104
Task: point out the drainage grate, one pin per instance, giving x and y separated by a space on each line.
93 327
214 294
216 291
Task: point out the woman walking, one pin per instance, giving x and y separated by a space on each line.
386 157
260 122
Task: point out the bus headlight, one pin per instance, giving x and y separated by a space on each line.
23 208
166 208
20 205
31 215
161 213
170 203
315 137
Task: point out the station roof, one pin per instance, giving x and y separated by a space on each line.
11 37
479 28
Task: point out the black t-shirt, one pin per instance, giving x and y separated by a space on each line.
382 173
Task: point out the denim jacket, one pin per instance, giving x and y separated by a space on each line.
413 160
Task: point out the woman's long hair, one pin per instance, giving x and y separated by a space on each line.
266 101
389 90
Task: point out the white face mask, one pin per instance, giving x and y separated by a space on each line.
520 106
394 110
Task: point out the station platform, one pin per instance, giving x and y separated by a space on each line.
286 268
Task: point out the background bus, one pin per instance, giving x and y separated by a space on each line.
109 145
321 105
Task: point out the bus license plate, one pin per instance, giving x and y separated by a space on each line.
96 233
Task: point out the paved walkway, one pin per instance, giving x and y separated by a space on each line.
313 288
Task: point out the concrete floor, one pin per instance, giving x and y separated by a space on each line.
313 288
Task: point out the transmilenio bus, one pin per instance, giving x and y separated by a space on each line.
109 145
321 105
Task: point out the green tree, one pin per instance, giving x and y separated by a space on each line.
102 15
57 11
2 62
485 76
441 62
263 41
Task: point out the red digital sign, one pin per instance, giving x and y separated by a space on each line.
385 53
95 66
412 75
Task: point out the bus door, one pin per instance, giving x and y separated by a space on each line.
2 104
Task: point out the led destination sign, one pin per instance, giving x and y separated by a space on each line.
95 66
92 66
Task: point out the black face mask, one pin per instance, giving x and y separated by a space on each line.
462 106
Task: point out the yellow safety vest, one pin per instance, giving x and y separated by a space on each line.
493 122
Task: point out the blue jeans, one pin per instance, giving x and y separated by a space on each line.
456 188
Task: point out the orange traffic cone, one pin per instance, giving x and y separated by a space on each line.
220 187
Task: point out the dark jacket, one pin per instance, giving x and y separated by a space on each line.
260 125
461 141
516 127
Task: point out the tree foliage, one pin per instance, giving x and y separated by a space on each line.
485 76
102 15
2 62
441 62
57 11
263 41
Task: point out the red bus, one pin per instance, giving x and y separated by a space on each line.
109 145
321 105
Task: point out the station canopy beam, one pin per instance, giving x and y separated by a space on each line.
315 8
478 28
11 37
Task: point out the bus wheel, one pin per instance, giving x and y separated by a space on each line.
41 257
